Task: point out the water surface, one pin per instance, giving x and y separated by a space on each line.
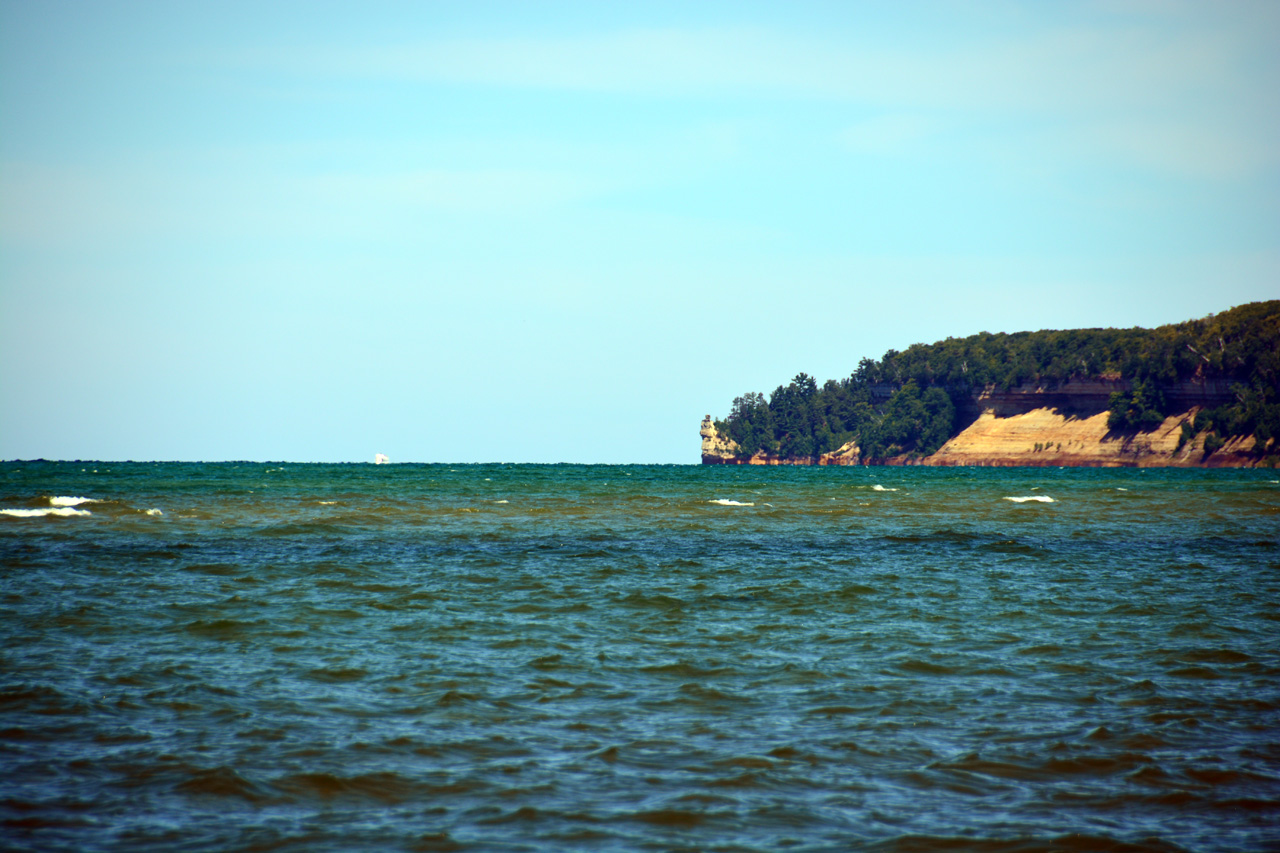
248 656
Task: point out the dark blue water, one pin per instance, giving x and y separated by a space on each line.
315 657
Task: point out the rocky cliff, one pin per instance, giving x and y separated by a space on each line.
1066 426
1204 392
716 447
1053 437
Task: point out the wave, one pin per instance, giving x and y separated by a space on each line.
223 781
36 513
69 501
725 502
68 506
60 505
1025 844
879 488
387 788
1044 499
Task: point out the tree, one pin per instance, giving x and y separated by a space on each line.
940 420
1143 409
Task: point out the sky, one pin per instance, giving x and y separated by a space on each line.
564 232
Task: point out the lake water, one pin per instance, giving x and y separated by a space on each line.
249 656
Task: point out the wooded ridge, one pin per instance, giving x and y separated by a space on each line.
1219 375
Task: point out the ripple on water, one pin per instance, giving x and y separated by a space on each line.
408 660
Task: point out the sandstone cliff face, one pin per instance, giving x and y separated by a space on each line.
716 448
1052 437
1035 427
1067 426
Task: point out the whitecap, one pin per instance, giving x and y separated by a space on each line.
154 512
1044 499
879 488
326 503
502 502
36 513
66 501
725 502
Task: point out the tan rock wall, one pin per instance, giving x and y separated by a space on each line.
1040 436
1050 437
716 448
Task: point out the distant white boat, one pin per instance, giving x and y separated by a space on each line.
380 459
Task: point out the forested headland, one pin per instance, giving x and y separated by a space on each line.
909 403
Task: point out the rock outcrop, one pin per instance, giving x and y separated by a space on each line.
716 448
1054 437
1038 427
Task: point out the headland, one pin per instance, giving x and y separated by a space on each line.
1198 394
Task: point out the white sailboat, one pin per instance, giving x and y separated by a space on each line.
380 459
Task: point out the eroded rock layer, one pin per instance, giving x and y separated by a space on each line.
1047 436
1033 429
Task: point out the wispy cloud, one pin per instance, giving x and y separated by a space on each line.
1049 68
1177 89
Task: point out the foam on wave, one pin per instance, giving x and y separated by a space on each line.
726 502
1044 499
68 506
70 501
36 513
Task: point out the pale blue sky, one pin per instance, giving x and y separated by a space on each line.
541 232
